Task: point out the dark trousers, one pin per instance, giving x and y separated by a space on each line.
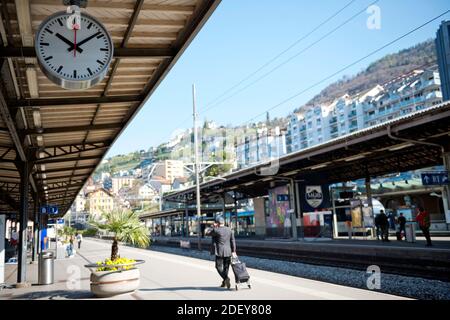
222 266
79 244
426 233
402 228
384 232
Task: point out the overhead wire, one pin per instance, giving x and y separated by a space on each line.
347 66
265 75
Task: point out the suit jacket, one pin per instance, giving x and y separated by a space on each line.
223 241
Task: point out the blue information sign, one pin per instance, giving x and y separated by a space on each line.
57 221
49 209
435 178
282 197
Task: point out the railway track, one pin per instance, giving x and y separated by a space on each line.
429 267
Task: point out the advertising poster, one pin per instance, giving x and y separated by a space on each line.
318 224
311 224
278 210
368 217
356 214
314 197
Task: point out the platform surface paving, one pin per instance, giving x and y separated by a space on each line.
167 276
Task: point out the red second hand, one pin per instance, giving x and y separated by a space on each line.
75 43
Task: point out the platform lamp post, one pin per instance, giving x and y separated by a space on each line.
196 168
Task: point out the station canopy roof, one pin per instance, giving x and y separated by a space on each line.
410 142
64 134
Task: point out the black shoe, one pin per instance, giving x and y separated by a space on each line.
227 283
223 284
429 245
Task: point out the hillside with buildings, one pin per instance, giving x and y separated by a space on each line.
381 71
389 88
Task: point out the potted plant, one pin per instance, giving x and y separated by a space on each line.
118 275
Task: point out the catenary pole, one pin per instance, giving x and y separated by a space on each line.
197 171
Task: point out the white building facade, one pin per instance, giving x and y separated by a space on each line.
260 145
412 92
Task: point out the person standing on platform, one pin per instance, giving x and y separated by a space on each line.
224 247
423 219
287 227
79 238
378 227
384 225
402 225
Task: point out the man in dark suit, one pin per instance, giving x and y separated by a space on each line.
224 247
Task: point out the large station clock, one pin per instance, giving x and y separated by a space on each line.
73 59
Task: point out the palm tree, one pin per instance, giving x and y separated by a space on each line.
125 226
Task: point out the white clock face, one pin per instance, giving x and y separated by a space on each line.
73 59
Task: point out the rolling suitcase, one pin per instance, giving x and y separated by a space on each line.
240 273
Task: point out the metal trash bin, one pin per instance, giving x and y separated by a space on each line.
46 267
410 231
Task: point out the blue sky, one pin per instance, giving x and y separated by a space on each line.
241 36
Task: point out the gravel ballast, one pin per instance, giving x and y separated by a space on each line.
413 287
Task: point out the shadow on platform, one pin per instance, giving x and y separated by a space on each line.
187 288
54 295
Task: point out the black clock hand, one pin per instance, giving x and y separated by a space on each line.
84 41
64 39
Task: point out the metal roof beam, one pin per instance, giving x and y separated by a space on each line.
8 119
58 102
40 131
80 146
56 152
126 53
126 37
75 185
69 169
6 198
48 180
50 161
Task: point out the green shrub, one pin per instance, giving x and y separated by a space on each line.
89 232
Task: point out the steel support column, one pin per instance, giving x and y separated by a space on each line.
446 190
224 200
36 229
235 211
369 201
23 218
186 227
293 205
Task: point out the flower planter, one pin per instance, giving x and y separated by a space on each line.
114 282
111 283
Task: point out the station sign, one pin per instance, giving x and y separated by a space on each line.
435 178
49 209
282 197
55 221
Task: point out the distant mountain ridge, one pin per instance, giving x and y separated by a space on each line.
379 72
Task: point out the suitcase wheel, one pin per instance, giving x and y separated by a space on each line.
237 288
